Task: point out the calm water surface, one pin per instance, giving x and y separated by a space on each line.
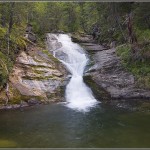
55 125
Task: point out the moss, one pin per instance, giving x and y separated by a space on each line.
15 96
51 56
143 35
58 94
2 97
5 143
41 41
39 71
92 63
140 69
45 52
5 67
36 60
41 77
124 52
39 66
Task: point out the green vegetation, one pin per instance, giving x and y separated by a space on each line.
51 56
126 23
53 77
141 69
5 67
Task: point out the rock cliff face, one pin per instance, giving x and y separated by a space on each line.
106 76
37 77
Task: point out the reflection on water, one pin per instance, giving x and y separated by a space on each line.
57 126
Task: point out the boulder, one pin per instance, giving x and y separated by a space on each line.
29 33
35 79
31 36
106 75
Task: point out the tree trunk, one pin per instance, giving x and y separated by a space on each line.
11 14
3 23
115 13
10 24
132 37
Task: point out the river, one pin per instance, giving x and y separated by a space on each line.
80 122
56 125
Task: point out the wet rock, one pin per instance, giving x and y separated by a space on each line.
24 104
61 55
106 71
110 75
82 39
13 106
93 47
31 37
29 28
99 92
113 44
52 43
60 32
29 33
33 101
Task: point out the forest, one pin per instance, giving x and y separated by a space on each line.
127 24
74 74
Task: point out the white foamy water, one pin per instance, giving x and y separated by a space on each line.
78 95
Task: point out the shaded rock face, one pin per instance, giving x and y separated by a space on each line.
36 78
31 37
29 33
105 70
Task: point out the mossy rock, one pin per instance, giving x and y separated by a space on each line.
39 78
3 97
98 91
15 97
51 56
57 95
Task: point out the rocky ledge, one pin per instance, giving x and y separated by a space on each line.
37 77
106 76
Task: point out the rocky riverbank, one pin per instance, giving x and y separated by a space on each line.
37 77
105 74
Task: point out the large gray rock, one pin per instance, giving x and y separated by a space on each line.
36 76
109 74
105 70
35 79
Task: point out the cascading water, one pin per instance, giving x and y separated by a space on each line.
78 95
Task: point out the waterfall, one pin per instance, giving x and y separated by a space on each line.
78 95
